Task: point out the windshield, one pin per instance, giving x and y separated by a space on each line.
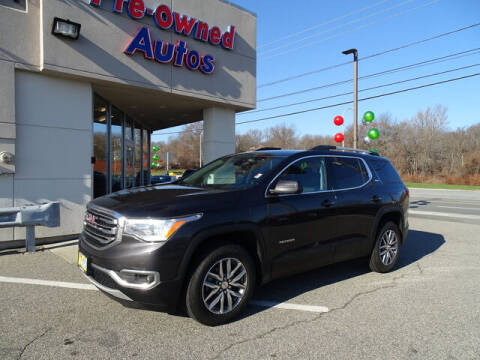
233 172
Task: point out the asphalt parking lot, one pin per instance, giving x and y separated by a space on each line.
427 308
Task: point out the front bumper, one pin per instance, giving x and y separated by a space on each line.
110 269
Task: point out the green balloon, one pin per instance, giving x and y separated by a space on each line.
155 148
373 133
369 116
155 157
154 165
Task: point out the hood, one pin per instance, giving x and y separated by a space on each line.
165 200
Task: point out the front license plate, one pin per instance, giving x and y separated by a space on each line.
82 262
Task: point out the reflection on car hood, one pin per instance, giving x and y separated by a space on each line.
163 200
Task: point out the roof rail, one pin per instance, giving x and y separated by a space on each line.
340 148
268 148
323 147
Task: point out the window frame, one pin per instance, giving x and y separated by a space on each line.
109 150
370 176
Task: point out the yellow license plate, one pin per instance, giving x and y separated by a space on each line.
82 262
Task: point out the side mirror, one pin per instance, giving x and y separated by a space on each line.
287 187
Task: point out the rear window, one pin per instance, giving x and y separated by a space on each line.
346 173
385 171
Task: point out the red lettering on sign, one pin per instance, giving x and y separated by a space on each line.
201 31
214 36
163 17
183 25
136 9
228 38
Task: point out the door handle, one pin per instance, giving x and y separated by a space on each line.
328 203
376 198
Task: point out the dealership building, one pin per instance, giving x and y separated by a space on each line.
83 83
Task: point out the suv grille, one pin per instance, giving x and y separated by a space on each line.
100 227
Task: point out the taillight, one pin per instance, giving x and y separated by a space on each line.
407 191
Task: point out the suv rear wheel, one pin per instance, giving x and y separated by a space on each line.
387 248
221 285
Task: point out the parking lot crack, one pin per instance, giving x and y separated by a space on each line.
419 268
32 341
315 318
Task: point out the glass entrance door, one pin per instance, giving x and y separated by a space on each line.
100 146
120 150
116 158
129 154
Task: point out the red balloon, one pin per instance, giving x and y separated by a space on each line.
338 120
339 137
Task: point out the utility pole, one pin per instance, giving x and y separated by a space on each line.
355 94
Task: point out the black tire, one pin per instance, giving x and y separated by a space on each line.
196 289
376 262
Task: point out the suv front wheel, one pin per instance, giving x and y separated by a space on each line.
221 285
387 248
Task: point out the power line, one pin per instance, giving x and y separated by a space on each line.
389 71
335 28
369 56
324 23
350 31
341 103
366 89
363 99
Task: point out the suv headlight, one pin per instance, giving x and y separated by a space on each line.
156 230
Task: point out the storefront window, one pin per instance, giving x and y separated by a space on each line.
138 156
145 157
100 143
121 150
116 156
129 154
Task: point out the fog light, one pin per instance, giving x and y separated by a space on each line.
66 28
136 278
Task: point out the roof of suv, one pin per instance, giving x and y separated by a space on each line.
321 150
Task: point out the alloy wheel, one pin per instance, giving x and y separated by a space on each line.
388 247
224 285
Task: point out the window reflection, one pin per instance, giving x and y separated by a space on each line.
129 154
121 160
99 147
138 156
145 158
116 157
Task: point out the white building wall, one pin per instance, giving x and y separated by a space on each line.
7 138
53 148
219 133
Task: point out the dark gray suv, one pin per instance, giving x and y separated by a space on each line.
207 240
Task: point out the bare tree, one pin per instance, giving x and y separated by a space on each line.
251 140
282 136
421 148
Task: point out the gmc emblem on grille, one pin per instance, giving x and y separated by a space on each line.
90 218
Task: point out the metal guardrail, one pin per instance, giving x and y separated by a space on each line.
29 216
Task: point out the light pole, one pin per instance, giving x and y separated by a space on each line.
355 94
343 125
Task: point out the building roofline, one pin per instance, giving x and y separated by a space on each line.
238 7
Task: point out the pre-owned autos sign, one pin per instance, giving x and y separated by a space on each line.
166 19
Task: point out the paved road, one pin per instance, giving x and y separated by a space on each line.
427 308
450 205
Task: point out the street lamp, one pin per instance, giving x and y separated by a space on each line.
355 93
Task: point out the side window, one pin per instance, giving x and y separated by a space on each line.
311 173
345 173
385 171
